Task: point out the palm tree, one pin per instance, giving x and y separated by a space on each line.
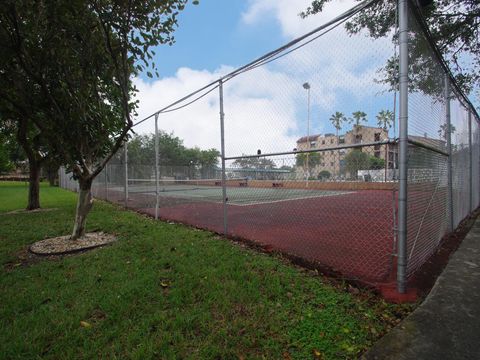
337 119
357 117
385 119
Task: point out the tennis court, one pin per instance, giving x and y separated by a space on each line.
347 229
240 192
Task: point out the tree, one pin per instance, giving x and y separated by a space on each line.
455 30
376 163
19 100
79 57
172 153
255 163
385 119
314 159
442 131
337 120
324 175
357 118
6 164
259 168
356 160
16 125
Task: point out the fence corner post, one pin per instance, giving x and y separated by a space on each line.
470 160
403 148
448 138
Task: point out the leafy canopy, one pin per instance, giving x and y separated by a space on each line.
172 152
455 30
78 58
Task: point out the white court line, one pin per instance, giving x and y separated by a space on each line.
248 203
292 199
239 203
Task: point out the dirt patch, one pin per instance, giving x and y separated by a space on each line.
64 245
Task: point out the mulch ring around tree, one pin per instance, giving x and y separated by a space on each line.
64 245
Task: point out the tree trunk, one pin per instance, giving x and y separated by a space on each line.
84 205
33 185
51 179
52 174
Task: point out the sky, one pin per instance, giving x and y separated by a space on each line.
265 109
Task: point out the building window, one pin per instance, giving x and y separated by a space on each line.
377 136
313 143
323 142
331 152
358 139
331 141
341 140
331 163
376 147
377 154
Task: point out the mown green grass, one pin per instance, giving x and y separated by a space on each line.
164 291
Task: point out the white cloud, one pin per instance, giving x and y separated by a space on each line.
286 12
266 108
260 110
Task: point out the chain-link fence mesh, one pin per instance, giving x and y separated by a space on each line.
427 198
430 213
310 165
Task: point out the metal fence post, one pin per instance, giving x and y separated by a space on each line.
470 159
106 182
156 167
403 144
125 160
224 177
448 138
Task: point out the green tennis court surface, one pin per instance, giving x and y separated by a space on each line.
235 195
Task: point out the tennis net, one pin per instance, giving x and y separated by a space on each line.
165 185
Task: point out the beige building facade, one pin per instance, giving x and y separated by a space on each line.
333 161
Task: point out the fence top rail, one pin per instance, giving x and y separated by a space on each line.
349 146
427 147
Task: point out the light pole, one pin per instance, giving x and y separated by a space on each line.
306 86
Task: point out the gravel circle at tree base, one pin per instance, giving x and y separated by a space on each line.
64 245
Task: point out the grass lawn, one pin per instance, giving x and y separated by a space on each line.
165 291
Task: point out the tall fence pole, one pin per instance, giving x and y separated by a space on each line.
224 176
125 160
156 167
403 144
470 159
106 182
448 138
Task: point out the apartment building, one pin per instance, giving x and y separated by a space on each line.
333 161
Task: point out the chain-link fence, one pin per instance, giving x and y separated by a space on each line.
301 154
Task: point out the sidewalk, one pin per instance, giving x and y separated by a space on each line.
447 324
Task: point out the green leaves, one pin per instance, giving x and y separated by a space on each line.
454 28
